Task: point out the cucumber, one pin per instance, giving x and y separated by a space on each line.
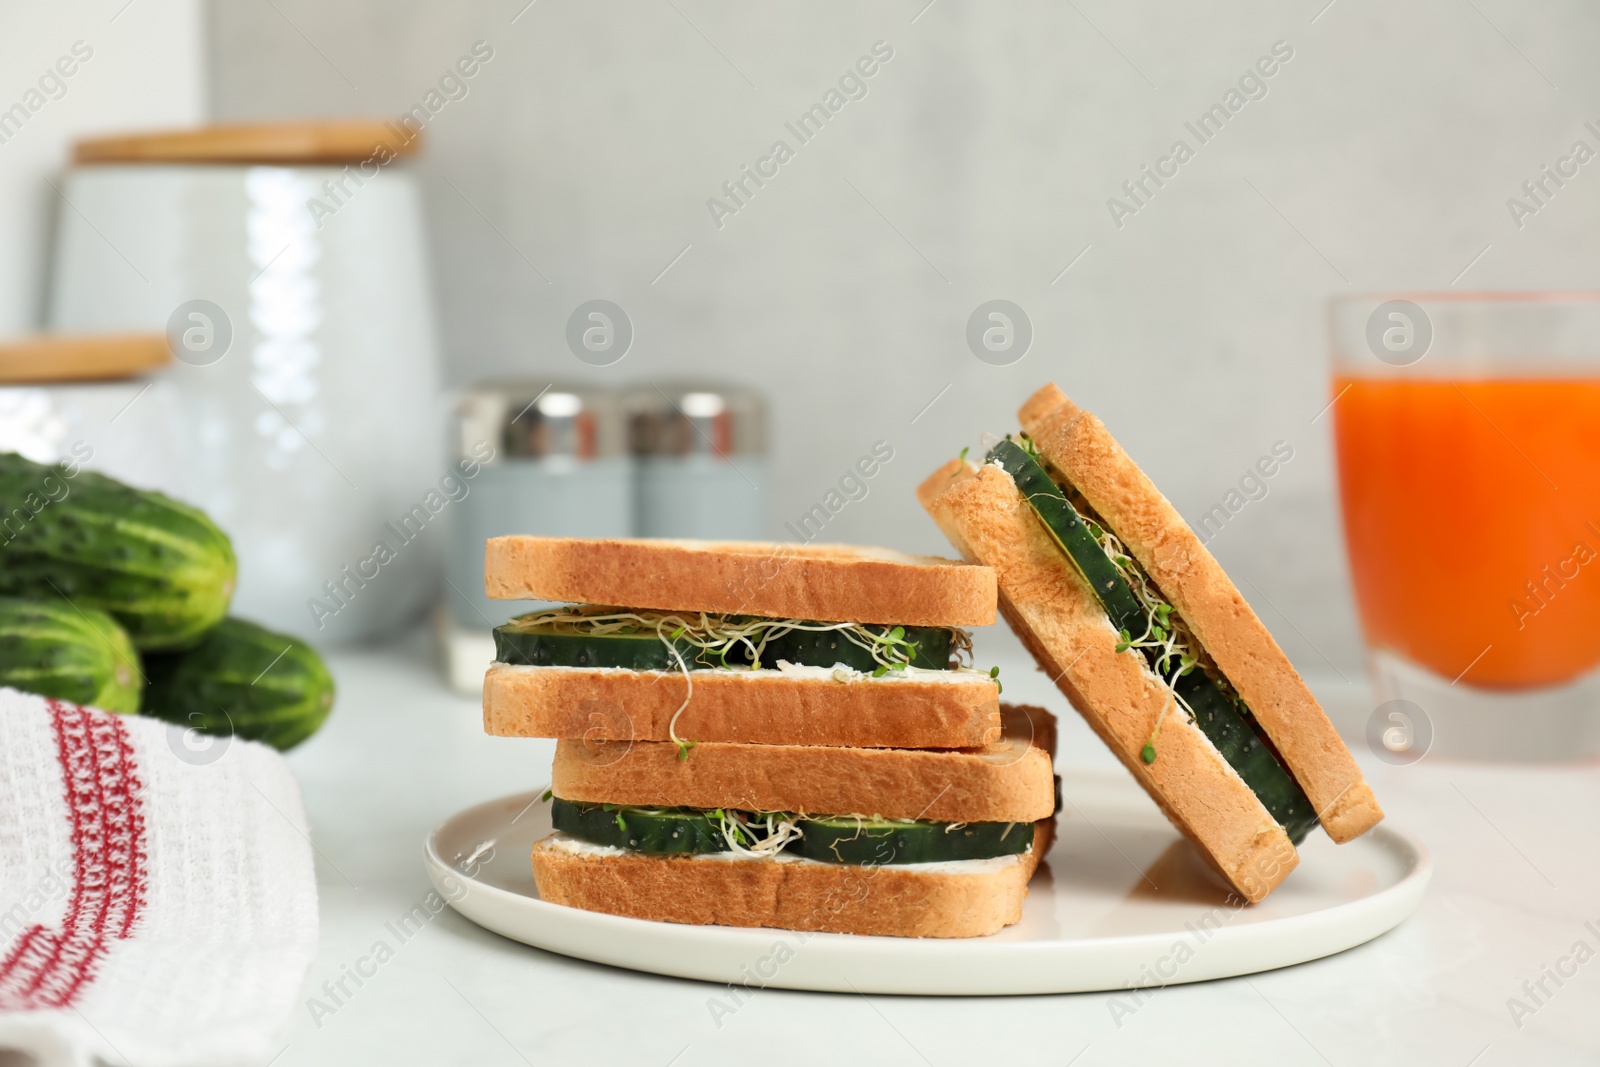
873 841
79 655
162 569
1063 522
663 830
532 644
1224 719
1236 734
848 839
243 679
542 646
823 648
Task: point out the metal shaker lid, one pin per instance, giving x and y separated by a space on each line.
686 419
534 420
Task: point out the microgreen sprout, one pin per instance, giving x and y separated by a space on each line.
759 834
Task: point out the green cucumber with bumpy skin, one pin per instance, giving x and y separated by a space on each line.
243 679
1226 722
869 842
78 655
161 568
536 645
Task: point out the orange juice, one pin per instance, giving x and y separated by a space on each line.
1472 518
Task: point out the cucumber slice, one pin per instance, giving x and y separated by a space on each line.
534 645
845 839
1064 524
666 830
824 648
1225 720
872 842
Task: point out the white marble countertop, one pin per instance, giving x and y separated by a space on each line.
1516 882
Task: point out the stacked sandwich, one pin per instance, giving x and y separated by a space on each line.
770 735
1139 626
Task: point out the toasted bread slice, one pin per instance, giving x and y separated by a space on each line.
969 898
767 707
827 583
1055 613
1009 781
1078 445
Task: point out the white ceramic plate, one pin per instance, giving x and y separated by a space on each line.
1123 900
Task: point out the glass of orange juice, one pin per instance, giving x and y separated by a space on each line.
1467 430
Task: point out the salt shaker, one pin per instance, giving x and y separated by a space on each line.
700 461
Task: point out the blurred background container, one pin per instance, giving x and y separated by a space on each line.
300 305
554 462
97 400
700 457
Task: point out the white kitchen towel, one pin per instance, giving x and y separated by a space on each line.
157 899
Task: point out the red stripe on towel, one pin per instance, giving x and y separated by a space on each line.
49 968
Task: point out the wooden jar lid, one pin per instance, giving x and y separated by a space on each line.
283 143
81 357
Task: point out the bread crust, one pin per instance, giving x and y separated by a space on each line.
830 583
1009 781
754 707
887 900
1058 618
1189 576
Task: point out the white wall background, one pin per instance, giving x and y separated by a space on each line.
145 69
978 166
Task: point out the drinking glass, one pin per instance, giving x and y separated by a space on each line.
1467 430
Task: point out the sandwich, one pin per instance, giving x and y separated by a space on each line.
770 735
1136 622
738 642
886 841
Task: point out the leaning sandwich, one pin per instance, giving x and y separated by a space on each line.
1139 626
770 735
